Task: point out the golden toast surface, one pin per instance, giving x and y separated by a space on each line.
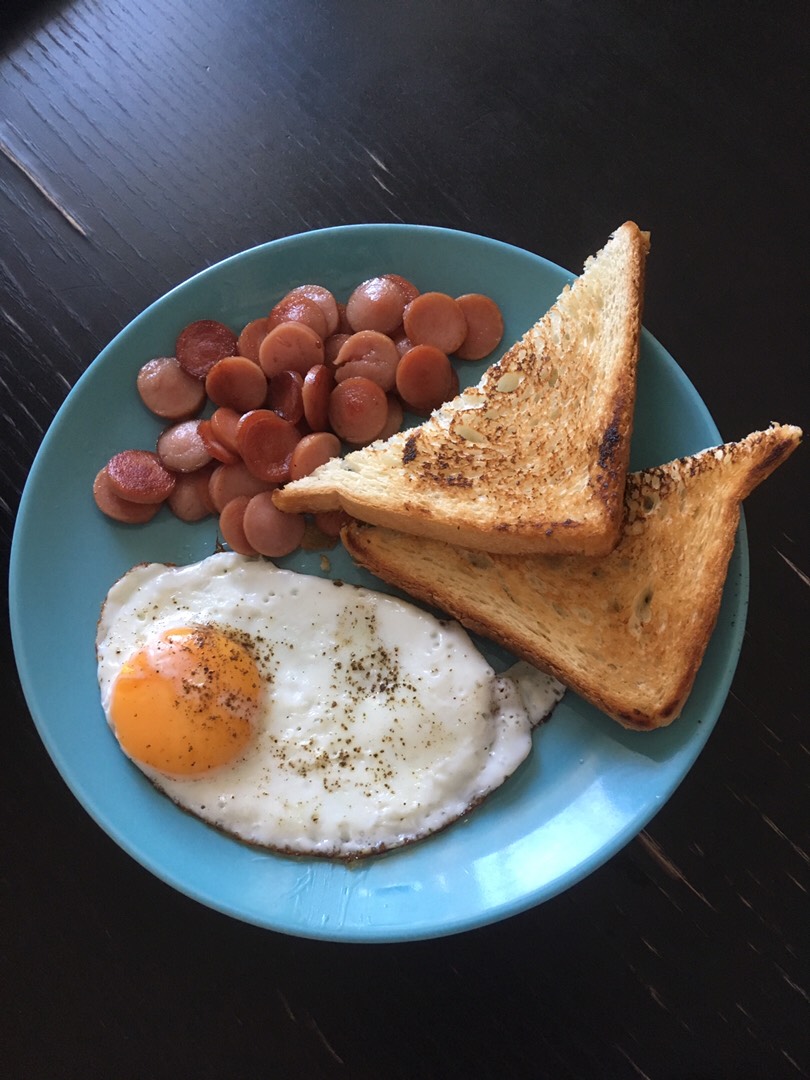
534 457
627 631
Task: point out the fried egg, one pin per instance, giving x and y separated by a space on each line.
302 714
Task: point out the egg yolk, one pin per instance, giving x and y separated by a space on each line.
185 704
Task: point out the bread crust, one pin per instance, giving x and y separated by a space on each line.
534 458
628 632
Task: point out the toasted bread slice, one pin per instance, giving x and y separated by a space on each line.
627 631
532 459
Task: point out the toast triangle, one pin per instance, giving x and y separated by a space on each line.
532 459
628 631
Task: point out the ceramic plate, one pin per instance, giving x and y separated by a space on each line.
587 788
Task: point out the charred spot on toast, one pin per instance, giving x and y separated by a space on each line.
443 478
611 456
409 450
612 461
443 466
637 720
776 456
641 720
444 469
609 444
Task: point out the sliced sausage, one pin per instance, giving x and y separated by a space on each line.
266 442
248 342
231 525
376 304
316 391
200 344
223 427
228 481
139 476
409 290
290 347
190 501
313 450
295 307
332 346
434 318
237 383
168 391
271 531
325 301
454 385
402 341
181 448
358 410
395 417
370 354
484 326
343 323
285 395
330 522
214 446
110 503
424 378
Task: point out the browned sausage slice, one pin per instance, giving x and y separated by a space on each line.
290 347
330 522
140 477
168 391
266 442
313 450
454 385
358 410
237 383
228 481
344 326
224 422
434 318
424 378
231 525
484 326
214 446
189 501
370 354
285 395
409 290
325 301
298 308
316 391
110 503
402 341
250 339
271 531
200 344
332 346
395 416
376 304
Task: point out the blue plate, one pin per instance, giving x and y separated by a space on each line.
587 788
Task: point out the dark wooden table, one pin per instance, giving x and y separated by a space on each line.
141 142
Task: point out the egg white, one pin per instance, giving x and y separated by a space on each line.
378 723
